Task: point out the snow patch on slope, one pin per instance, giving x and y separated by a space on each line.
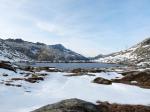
9 54
137 54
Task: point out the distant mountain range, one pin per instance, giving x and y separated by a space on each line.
20 50
139 54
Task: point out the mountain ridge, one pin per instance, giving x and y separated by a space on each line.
138 54
42 52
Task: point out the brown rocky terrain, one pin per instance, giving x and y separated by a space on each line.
38 69
77 105
100 80
79 74
138 78
107 107
7 65
94 70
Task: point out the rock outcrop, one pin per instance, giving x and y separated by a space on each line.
138 78
77 105
107 107
100 80
7 65
71 105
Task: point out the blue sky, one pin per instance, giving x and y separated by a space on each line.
89 27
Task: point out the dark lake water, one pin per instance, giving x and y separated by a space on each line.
70 66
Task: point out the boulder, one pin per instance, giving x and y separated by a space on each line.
70 105
78 70
34 79
100 80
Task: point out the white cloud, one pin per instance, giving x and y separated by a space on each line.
88 33
51 28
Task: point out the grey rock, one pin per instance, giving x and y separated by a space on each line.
70 105
100 80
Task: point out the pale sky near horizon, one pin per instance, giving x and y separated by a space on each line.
89 27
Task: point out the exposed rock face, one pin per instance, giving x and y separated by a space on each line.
107 107
100 80
141 79
138 54
43 52
7 65
76 105
38 69
71 105
79 74
93 70
9 54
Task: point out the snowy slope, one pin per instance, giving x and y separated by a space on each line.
42 52
138 54
20 50
8 54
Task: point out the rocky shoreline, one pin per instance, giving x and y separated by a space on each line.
130 76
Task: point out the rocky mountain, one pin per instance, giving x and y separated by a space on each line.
9 54
38 51
97 57
139 54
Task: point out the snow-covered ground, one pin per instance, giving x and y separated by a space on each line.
118 57
57 87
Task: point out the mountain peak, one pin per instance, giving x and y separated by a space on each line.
42 52
58 45
146 41
15 40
